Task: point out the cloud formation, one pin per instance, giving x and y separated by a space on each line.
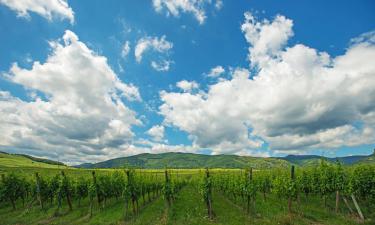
187 86
195 7
156 132
50 9
296 99
216 71
78 108
157 44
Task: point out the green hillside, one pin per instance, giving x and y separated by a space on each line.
189 160
186 161
368 160
15 160
314 160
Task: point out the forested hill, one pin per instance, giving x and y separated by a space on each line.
189 160
311 160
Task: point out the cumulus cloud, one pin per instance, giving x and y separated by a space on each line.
156 132
216 71
298 97
157 44
195 7
78 112
187 86
49 9
266 38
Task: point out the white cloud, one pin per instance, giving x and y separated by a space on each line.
78 113
187 86
147 146
160 45
156 132
161 66
216 71
366 37
49 9
297 99
125 49
195 7
266 38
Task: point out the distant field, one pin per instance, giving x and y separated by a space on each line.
74 172
20 164
9 160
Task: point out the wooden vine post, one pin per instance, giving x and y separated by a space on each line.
132 192
59 199
347 204
337 201
91 192
167 189
96 188
209 195
357 207
250 179
67 191
292 177
38 195
126 195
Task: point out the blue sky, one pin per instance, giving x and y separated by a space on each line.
212 113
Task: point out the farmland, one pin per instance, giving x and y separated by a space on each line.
315 195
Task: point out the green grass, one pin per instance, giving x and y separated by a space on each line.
311 210
190 209
14 161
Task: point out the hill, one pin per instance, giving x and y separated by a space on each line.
191 161
312 160
188 160
21 160
368 160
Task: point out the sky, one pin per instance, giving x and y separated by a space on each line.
86 81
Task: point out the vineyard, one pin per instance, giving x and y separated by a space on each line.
326 194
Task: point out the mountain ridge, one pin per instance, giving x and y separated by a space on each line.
181 160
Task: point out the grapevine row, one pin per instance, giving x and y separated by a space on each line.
128 186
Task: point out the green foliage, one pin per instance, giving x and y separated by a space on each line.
206 188
233 184
362 181
13 187
82 188
284 186
189 160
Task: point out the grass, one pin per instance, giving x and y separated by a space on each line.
273 210
18 161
